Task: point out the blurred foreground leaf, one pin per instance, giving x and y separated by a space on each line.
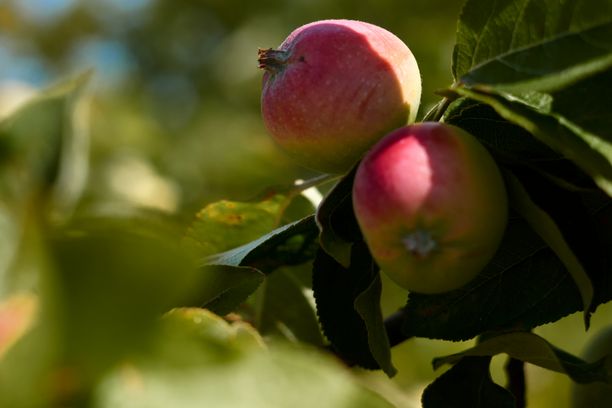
17 315
44 148
109 284
203 361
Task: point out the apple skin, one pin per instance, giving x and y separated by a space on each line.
334 88
596 394
432 206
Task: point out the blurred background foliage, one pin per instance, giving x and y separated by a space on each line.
172 113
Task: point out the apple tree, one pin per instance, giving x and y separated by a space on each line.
272 302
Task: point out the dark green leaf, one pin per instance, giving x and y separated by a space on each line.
283 308
291 244
553 64
223 287
512 145
337 222
467 384
533 349
544 225
339 292
231 277
493 29
17 313
43 151
590 148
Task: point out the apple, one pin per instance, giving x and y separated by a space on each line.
596 394
333 88
432 206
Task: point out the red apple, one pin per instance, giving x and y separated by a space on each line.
334 88
432 206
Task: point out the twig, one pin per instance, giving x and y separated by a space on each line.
515 370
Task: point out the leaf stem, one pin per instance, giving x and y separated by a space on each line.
436 113
314 181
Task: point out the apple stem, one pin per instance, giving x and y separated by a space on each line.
272 60
419 243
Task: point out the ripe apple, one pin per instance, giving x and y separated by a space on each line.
335 87
597 394
432 206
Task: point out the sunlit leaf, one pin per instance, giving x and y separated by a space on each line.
224 225
493 30
42 149
204 361
553 64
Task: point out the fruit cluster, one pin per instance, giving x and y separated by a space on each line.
428 197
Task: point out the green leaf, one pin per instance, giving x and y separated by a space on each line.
548 230
224 225
590 148
222 288
533 349
108 285
467 384
9 243
44 150
203 361
348 305
553 64
367 304
291 244
489 31
524 267
512 145
337 222
283 307
230 277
